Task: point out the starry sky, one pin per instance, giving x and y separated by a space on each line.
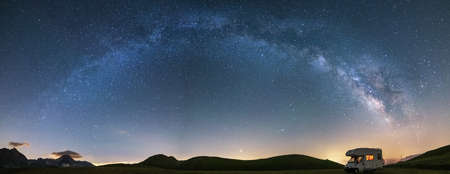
119 81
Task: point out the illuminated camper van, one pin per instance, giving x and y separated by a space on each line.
364 159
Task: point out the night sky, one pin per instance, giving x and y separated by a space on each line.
119 81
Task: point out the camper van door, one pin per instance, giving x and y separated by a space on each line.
369 161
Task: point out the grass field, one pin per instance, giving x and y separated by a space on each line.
148 170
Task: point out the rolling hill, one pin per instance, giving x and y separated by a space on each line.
284 162
434 159
161 161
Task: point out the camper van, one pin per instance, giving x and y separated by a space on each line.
363 160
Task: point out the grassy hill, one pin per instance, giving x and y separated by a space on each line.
161 161
434 159
285 162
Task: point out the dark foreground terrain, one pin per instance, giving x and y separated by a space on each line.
432 162
150 170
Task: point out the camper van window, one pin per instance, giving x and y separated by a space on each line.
379 156
352 159
369 157
356 159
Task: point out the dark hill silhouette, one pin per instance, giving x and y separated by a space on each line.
433 159
161 161
12 158
284 162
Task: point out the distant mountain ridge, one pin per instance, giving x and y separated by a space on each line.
433 159
63 161
409 157
392 161
284 162
14 159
